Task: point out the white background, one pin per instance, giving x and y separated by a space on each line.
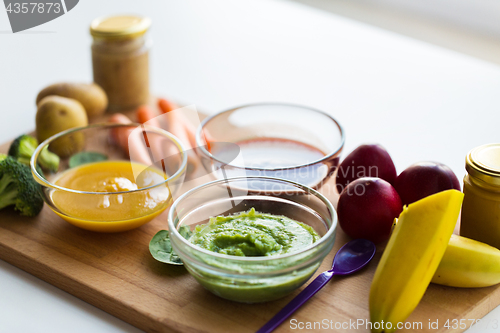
420 101
478 15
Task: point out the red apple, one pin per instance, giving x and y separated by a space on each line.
367 208
366 161
422 179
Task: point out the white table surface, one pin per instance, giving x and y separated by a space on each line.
420 101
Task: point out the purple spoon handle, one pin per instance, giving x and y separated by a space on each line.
297 302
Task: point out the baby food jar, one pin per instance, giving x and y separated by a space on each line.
481 206
120 60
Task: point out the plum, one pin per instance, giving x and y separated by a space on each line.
422 179
367 208
366 161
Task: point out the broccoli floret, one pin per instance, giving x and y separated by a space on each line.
23 148
17 187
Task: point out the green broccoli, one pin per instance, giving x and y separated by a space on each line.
17 187
23 148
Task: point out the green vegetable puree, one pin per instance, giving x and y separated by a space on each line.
253 234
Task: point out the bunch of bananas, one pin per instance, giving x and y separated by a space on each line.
422 249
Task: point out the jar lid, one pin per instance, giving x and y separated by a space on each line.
119 27
483 162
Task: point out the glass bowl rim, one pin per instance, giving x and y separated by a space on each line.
329 234
201 144
44 182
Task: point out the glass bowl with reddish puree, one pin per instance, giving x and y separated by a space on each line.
250 247
285 141
108 179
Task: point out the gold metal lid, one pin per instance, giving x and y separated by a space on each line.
483 162
119 27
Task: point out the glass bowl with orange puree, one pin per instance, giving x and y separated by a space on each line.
112 177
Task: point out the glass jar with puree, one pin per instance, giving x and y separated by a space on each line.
481 207
120 60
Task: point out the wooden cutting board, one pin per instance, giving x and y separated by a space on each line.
116 273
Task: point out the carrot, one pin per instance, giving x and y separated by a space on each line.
120 135
146 115
182 129
130 144
176 128
166 106
189 128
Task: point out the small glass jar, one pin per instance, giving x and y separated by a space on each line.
481 207
120 60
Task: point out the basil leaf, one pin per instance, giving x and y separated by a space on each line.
86 157
161 248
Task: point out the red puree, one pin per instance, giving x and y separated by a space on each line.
272 157
277 153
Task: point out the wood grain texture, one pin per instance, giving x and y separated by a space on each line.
116 273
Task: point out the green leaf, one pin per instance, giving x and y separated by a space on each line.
86 157
161 248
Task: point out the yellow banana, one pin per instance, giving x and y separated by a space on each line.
469 264
411 257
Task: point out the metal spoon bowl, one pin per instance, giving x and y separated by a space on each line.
351 257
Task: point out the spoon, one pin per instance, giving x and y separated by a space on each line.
351 257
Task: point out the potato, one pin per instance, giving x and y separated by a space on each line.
56 114
92 97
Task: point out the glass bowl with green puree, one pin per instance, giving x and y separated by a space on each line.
252 247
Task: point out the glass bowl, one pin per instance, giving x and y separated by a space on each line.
285 141
258 278
142 170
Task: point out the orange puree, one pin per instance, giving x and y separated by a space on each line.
110 210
